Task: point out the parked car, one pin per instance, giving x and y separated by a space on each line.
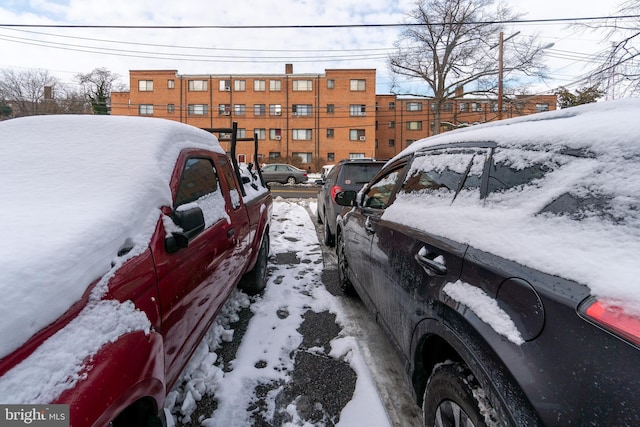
122 238
502 260
349 174
284 174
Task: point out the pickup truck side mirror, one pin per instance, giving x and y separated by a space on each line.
192 223
346 198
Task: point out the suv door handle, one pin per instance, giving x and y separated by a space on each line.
431 267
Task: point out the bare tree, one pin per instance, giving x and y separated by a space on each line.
618 71
453 44
97 88
29 92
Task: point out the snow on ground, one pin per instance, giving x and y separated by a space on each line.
264 353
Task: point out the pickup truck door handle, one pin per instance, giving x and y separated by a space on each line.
431 267
368 226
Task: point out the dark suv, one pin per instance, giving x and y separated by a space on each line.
349 174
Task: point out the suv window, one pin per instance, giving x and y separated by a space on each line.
445 173
358 173
379 194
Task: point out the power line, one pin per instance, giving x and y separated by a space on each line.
312 26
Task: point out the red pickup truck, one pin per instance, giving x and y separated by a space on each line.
122 239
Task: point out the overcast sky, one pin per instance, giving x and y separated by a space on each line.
67 51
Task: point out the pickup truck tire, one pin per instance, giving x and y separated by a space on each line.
255 280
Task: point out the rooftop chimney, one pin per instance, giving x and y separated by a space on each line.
288 69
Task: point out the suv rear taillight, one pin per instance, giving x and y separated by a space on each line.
614 318
335 190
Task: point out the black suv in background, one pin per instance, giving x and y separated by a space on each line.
349 174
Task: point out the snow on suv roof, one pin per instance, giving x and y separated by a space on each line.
600 127
75 190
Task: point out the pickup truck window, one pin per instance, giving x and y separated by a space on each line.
233 188
198 179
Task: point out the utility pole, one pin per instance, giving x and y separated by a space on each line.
500 56
500 69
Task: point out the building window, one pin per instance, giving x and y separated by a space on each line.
357 110
331 108
145 85
356 135
275 110
329 133
197 85
304 157
261 132
259 85
301 109
392 143
224 109
171 84
239 109
145 109
447 106
464 106
241 133
275 85
197 109
392 105
171 108
275 134
225 86
331 157
476 106
274 155
303 85
392 124
541 107
259 109
239 85
331 83
358 85
415 125
414 106
301 134
356 155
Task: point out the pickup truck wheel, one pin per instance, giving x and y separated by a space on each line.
343 265
453 397
255 280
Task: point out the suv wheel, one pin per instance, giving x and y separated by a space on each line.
453 397
343 265
328 236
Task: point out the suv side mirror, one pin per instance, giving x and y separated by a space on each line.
346 198
192 223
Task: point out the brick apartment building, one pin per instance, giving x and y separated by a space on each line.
317 118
